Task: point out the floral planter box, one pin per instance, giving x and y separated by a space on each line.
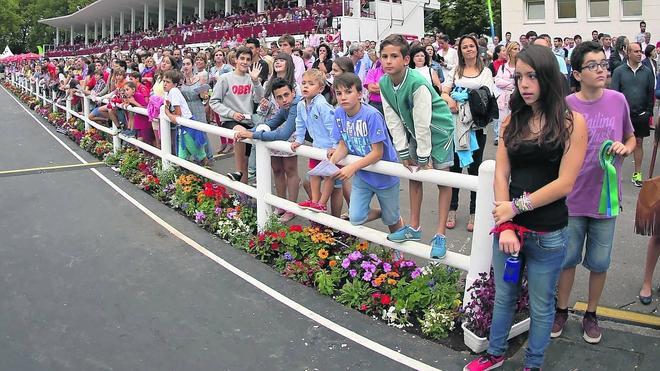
478 344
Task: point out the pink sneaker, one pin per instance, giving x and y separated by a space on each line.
485 363
318 207
306 204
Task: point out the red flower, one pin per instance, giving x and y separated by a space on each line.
295 228
251 244
282 234
363 307
376 295
275 246
385 299
262 237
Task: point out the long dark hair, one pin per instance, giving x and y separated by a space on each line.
461 60
556 131
160 73
289 74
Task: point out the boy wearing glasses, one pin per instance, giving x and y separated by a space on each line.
608 118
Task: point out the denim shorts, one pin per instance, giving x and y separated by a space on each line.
599 234
361 195
444 165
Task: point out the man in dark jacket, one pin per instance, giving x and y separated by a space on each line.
637 84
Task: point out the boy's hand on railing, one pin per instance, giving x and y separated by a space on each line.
410 165
427 166
295 145
331 151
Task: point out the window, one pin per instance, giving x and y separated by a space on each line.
566 9
535 10
599 8
631 8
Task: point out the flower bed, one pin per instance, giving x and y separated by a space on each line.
370 279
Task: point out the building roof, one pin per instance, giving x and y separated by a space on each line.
106 8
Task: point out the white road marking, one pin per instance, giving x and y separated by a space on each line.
330 325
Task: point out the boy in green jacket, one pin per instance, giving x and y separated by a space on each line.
422 127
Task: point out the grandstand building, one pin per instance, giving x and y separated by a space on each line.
153 23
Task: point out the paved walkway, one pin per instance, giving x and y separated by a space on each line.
91 282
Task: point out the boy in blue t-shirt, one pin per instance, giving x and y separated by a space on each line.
360 130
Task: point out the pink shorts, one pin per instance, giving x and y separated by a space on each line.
147 135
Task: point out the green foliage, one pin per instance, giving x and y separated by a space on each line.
437 286
460 17
19 22
326 281
355 293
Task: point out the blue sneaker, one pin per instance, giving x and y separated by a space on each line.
438 247
406 233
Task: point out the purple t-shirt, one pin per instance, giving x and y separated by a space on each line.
607 118
359 132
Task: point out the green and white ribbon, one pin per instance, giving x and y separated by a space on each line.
609 193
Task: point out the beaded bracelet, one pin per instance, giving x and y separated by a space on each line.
515 209
523 203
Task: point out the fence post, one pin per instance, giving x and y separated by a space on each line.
481 253
263 183
68 108
165 139
53 95
86 112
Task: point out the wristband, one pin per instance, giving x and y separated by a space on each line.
515 209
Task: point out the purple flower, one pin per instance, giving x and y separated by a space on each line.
373 257
345 263
387 267
185 206
287 256
218 211
352 273
355 255
367 276
407 263
416 273
199 216
368 266
431 283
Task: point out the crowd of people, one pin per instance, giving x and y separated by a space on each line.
561 106
276 11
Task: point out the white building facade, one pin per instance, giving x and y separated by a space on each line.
562 18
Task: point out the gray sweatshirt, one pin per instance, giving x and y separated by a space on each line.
233 93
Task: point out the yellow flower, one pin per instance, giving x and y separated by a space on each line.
391 281
187 189
378 281
362 246
323 253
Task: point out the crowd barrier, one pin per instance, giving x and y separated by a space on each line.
477 262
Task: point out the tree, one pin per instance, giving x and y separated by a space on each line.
460 17
19 21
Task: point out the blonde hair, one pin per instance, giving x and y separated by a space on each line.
315 74
509 48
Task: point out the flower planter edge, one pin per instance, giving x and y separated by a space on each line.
478 344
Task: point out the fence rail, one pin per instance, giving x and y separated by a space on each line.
481 251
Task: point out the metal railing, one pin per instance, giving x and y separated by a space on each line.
481 252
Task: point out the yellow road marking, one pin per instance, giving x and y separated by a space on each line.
624 315
50 168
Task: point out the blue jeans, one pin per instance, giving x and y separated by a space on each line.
543 254
599 234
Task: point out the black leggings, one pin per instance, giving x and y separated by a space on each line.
473 169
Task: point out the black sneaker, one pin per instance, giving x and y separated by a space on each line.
235 176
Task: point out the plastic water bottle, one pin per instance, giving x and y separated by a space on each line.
512 269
